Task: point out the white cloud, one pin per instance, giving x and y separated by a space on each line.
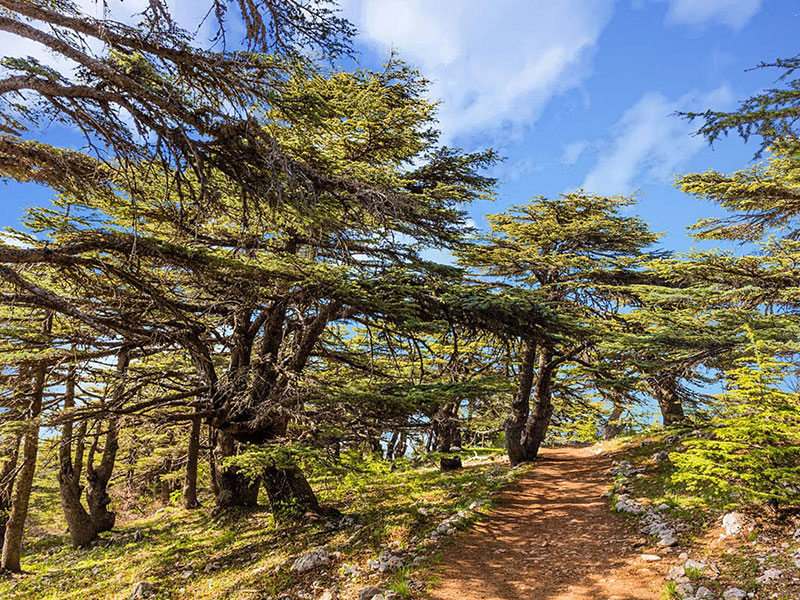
650 143
493 65
733 13
573 152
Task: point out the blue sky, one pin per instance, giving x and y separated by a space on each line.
581 92
572 92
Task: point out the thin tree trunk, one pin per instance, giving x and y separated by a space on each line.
190 480
612 427
8 469
447 428
520 407
15 527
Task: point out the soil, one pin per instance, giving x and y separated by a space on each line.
552 536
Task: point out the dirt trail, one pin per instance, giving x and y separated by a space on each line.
551 537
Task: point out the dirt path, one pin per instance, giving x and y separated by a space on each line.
551 537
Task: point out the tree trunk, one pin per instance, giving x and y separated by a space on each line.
446 426
81 529
234 489
97 477
8 469
612 427
520 407
664 388
15 526
190 480
290 494
539 420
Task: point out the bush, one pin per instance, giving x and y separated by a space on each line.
754 452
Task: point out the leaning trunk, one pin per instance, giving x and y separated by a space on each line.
612 427
447 428
190 479
12 542
520 407
539 420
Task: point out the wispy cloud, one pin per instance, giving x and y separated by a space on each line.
493 65
733 13
649 144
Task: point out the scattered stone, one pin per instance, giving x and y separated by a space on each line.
678 574
329 595
685 590
661 456
667 541
311 560
386 562
703 592
734 594
650 557
369 592
769 576
733 524
347 521
142 590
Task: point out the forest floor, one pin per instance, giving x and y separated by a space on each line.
552 536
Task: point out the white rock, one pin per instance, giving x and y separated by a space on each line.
703 592
734 594
733 524
695 564
667 541
328 595
386 562
677 574
369 592
311 560
769 576
685 590
650 557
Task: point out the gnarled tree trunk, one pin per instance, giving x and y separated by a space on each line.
664 388
446 426
233 488
81 528
520 406
539 420
612 427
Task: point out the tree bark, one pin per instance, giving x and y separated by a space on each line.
233 488
97 477
446 426
8 469
664 388
290 494
15 526
538 422
520 406
81 528
190 479
612 427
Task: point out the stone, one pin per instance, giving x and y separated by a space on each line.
733 524
369 592
684 590
142 590
386 562
734 594
311 560
211 567
650 557
696 565
769 576
677 574
661 456
667 541
328 595
703 592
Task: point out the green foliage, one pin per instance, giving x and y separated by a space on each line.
753 453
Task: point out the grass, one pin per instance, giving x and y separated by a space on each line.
189 555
